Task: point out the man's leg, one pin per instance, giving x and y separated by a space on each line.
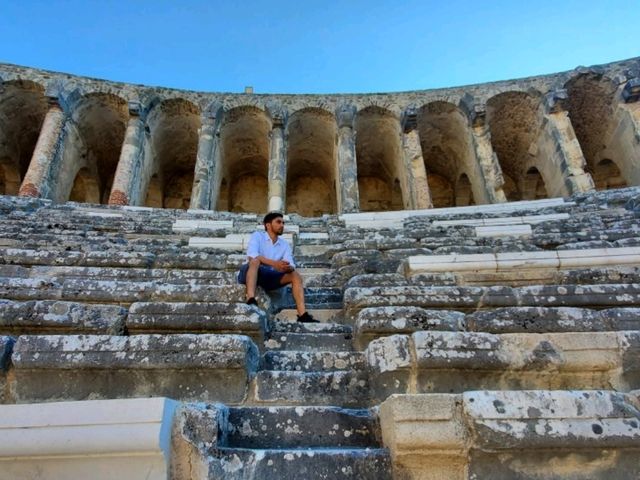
297 289
252 277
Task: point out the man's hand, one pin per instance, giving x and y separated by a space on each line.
282 266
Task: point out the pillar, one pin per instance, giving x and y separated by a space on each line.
46 155
203 182
626 132
347 169
563 161
127 179
416 173
277 166
488 169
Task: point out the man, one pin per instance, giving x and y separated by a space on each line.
271 265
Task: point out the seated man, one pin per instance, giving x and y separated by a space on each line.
271 265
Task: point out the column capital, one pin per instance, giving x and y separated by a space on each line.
345 115
135 109
278 114
409 119
476 111
631 91
556 101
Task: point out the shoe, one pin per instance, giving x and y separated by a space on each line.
252 301
306 318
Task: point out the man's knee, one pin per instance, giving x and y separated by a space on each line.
296 277
254 263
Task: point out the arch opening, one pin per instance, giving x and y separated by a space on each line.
379 160
173 127
464 193
607 175
86 187
514 121
532 186
311 172
245 160
94 146
446 149
23 107
590 109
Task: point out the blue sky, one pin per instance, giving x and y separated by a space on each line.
316 46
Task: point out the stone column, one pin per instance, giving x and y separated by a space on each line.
558 145
203 181
348 195
131 156
416 173
47 153
625 137
488 168
277 166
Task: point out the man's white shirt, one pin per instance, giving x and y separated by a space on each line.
261 245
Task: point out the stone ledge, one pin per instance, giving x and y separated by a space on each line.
376 322
481 298
72 367
52 317
100 439
457 361
499 262
513 434
165 317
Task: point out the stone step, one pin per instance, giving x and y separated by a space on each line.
313 361
197 317
115 291
327 315
56 317
184 367
301 427
482 298
311 250
302 464
444 362
343 388
294 326
310 342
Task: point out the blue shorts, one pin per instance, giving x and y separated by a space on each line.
268 278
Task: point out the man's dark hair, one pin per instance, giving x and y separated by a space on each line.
271 216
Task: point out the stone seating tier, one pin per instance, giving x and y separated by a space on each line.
113 302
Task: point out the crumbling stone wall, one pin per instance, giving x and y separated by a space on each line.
64 137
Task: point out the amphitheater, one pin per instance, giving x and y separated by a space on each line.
473 254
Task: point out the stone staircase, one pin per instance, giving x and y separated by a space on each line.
463 343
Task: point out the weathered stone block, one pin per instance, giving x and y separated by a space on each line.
180 317
53 317
211 367
459 361
513 434
375 322
536 320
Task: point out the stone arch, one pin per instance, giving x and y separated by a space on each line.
607 175
379 160
311 162
171 151
92 148
591 110
446 149
514 121
23 107
244 143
